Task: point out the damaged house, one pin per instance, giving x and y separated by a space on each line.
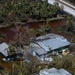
8 53
46 44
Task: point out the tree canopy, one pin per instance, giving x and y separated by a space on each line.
25 10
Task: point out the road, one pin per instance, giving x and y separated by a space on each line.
66 6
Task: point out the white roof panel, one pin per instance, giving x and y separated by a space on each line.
54 71
54 43
38 50
62 71
3 46
3 49
4 52
43 46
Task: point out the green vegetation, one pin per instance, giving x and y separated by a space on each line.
42 30
24 68
2 37
73 39
12 11
11 50
59 30
69 26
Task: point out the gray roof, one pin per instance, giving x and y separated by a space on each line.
38 50
52 41
62 71
49 42
54 71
